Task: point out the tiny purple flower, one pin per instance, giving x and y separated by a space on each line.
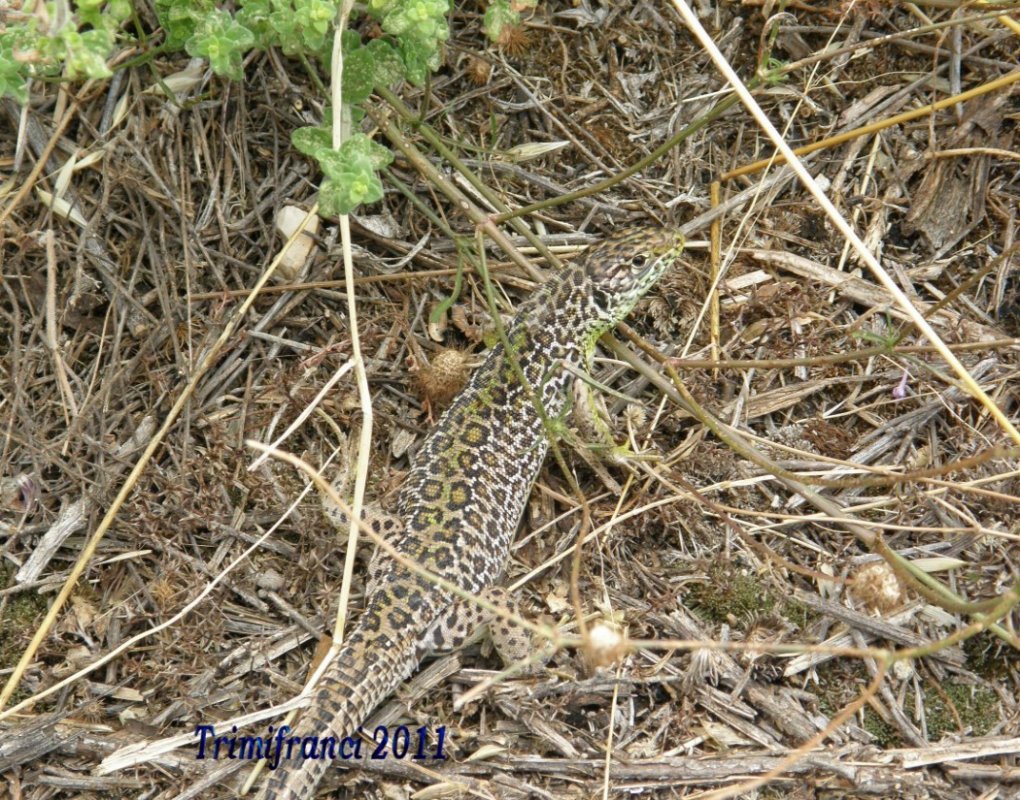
901 389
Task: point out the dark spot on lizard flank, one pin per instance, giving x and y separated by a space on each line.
385 526
458 414
398 591
466 463
442 558
484 413
474 520
398 618
440 441
415 602
435 467
474 433
424 518
460 495
507 376
499 394
432 489
370 620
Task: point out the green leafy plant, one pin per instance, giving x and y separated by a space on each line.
64 40
12 79
888 338
221 39
351 173
773 73
52 40
368 66
504 14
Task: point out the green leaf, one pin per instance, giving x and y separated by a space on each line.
386 62
100 14
285 31
255 15
360 146
117 11
367 67
316 16
311 140
350 41
379 8
14 72
180 18
498 16
87 53
419 59
342 196
419 26
89 12
332 163
298 27
424 19
358 76
223 40
13 82
350 173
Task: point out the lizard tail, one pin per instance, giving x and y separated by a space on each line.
350 688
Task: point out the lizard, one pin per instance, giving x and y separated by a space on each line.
466 491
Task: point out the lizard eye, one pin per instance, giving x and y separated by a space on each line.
638 262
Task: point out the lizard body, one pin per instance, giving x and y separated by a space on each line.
466 492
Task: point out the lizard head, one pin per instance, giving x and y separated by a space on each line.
624 266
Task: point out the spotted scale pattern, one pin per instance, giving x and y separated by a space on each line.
464 496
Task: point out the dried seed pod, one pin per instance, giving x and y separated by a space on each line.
478 70
441 380
877 587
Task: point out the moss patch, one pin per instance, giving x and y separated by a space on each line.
840 683
729 594
885 734
18 621
977 708
732 595
990 657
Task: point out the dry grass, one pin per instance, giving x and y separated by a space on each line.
104 324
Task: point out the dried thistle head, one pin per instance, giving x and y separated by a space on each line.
635 416
441 380
876 586
705 666
478 70
605 645
514 40
164 591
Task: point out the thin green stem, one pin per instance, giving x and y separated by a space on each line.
714 113
550 430
434 139
832 358
939 594
428 170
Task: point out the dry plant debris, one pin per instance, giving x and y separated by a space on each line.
105 313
